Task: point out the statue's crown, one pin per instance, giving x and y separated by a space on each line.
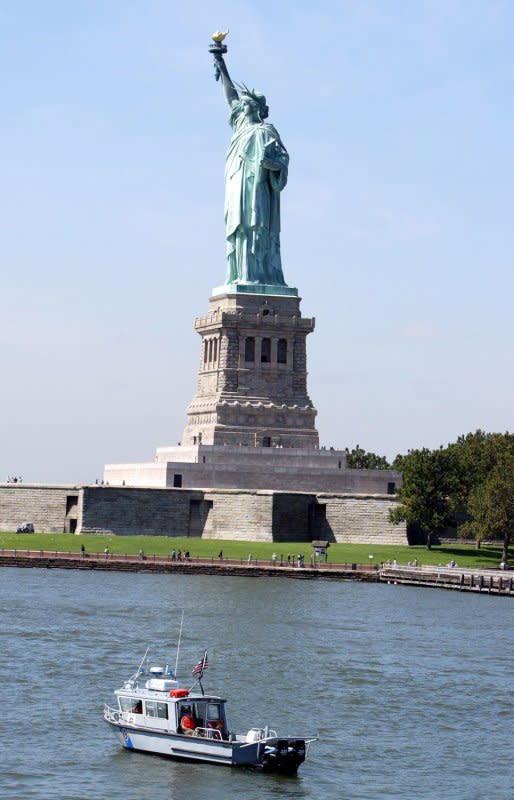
255 95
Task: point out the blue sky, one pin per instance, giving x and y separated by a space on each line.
397 219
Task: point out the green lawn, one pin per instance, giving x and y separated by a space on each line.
464 555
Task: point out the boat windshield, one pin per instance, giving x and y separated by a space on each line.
131 704
206 714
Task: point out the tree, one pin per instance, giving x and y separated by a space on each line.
491 505
477 454
429 478
360 459
442 487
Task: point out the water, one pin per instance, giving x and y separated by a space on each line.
409 688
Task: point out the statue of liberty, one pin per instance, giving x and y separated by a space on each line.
255 174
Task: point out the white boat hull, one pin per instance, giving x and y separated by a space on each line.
187 747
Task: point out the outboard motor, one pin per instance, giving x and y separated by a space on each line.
283 755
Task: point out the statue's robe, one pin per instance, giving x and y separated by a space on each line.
255 174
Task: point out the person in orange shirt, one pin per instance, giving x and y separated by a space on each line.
187 723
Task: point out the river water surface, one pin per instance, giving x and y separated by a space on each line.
409 688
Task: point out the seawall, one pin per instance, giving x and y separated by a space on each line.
479 581
162 564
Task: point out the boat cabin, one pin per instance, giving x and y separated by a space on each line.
173 710
207 715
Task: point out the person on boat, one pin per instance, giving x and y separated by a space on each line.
215 725
187 723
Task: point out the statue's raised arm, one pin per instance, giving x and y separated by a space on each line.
220 68
255 174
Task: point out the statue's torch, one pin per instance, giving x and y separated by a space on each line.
217 48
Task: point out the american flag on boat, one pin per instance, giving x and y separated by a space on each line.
199 668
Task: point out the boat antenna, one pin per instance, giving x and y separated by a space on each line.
178 646
141 664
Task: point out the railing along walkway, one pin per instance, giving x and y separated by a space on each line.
169 563
492 581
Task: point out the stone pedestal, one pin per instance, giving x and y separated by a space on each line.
252 381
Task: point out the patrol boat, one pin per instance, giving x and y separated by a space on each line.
155 714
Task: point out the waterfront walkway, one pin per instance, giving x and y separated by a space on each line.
211 566
485 581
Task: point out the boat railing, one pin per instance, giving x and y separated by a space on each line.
208 733
112 714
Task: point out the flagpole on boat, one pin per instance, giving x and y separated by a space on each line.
204 664
198 671
178 647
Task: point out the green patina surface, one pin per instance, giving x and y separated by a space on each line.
254 288
256 172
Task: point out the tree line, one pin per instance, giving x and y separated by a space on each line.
467 485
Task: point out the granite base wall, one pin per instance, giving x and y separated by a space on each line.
215 514
361 519
246 516
151 512
292 517
51 509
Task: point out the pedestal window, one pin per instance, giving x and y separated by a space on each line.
266 351
250 348
282 351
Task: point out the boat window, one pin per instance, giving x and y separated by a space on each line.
183 707
131 705
207 712
199 713
201 710
213 711
155 709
